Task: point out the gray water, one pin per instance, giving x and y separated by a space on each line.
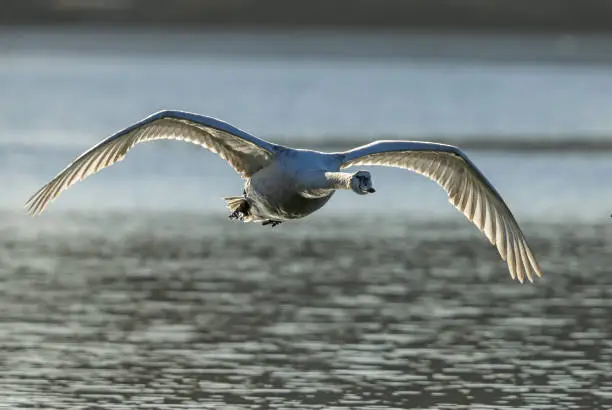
187 311
135 291
74 87
64 91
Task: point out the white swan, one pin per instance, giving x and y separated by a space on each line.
284 183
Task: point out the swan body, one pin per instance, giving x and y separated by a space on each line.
288 188
283 183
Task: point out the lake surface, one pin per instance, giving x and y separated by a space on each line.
134 290
187 311
74 86
63 91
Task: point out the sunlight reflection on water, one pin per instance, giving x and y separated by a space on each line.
166 311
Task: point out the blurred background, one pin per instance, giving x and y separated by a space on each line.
527 82
133 288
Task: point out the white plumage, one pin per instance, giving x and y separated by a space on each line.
283 183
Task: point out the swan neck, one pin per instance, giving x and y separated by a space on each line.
338 180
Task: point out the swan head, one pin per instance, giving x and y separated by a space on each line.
361 183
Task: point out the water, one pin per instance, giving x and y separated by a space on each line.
187 311
135 291
81 85
63 92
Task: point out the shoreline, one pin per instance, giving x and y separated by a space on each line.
469 15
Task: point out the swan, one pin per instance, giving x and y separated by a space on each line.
284 183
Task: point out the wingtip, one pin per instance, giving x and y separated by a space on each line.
530 275
32 208
538 271
512 274
31 211
28 208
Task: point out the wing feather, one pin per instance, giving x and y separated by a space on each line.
467 188
244 152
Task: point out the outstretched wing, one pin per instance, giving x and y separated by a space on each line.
468 190
245 153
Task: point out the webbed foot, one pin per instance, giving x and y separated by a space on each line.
271 222
239 206
237 215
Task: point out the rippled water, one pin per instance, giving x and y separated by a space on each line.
172 311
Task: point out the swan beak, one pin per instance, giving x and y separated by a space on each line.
371 190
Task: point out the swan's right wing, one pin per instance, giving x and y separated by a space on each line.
467 188
244 152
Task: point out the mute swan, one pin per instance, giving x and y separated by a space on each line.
284 183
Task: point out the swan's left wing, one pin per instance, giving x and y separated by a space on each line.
468 190
244 152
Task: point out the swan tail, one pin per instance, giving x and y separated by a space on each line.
235 203
240 208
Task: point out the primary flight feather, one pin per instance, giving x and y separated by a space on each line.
283 183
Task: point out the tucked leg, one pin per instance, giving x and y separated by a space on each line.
236 215
239 206
271 222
